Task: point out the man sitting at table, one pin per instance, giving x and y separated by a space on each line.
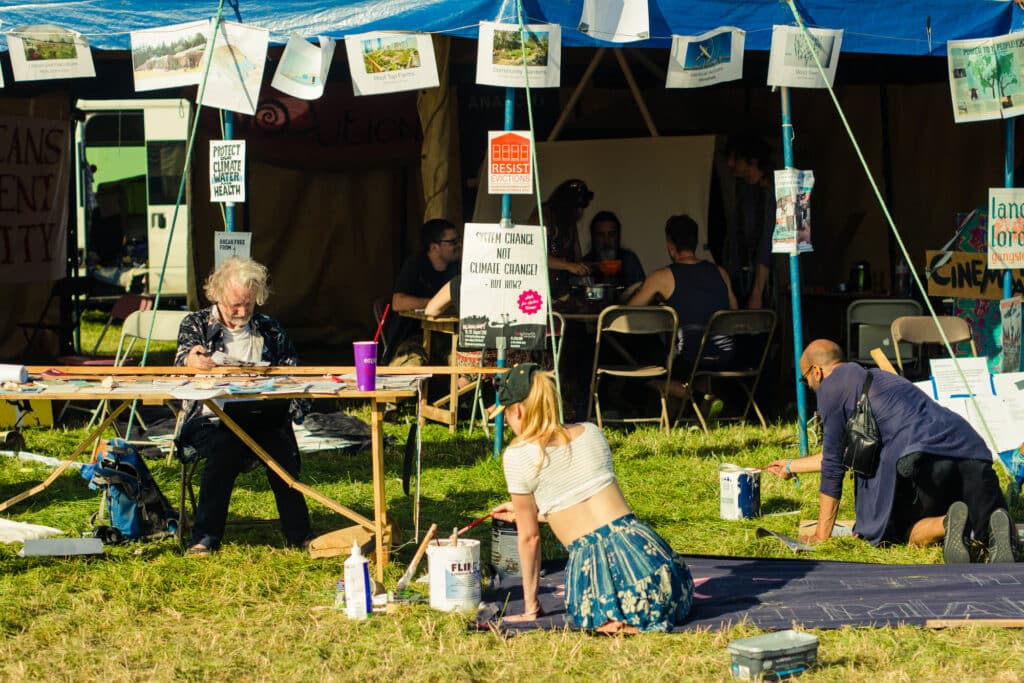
421 277
231 326
615 264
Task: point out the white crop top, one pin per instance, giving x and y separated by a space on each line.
570 473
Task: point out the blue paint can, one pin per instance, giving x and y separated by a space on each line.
740 492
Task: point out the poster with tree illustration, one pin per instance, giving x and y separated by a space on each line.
985 77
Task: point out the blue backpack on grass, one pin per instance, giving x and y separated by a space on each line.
134 503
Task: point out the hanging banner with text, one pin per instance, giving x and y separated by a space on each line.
227 170
504 287
1005 227
509 162
34 168
965 275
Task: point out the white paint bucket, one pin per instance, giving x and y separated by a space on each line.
739 492
505 548
454 574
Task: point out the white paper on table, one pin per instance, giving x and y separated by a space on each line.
382 62
617 21
236 67
223 359
297 388
191 393
791 62
1004 418
712 57
946 382
303 68
328 387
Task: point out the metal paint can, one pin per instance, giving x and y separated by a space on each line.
504 548
739 492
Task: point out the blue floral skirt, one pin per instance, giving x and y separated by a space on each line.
626 572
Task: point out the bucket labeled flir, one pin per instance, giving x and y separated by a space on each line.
504 548
740 492
454 574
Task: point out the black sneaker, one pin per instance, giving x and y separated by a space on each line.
1001 541
954 546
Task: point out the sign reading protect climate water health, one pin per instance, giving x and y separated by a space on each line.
227 170
504 288
1005 228
509 162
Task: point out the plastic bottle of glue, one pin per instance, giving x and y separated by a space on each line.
358 591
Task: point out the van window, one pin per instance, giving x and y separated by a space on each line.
165 163
115 129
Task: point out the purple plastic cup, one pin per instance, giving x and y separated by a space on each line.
366 364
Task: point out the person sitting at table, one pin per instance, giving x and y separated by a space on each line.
232 326
622 577
420 278
562 213
606 250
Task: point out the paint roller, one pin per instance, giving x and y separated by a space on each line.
403 583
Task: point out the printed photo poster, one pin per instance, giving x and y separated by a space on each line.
303 69
504 291
35 167
1005 228
46 52
791 60
169 56
618 21
985 77
499 55
227 170
391 62
236 67
230 244
792 232
509 162
712 57
1009 311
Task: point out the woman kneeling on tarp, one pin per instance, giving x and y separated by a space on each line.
621 576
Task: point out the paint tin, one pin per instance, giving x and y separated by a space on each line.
740 492
454 575
504 548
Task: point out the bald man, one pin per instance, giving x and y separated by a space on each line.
935 481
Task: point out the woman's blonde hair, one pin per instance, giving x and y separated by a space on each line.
245 272
541 423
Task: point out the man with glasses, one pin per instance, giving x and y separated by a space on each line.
421 277
934 482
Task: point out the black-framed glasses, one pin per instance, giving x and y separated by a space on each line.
803 377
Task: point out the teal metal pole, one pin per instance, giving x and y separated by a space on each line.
506 217
794 286
229 207
1008 182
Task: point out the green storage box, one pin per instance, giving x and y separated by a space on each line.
773 655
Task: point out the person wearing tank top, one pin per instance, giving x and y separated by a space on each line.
621 575
695 288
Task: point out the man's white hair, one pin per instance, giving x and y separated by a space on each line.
239 271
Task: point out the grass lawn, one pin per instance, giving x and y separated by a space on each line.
255 611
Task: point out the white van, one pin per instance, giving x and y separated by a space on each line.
130 155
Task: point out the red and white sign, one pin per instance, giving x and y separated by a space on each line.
509 162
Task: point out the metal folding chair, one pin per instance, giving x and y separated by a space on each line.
922 329
867 327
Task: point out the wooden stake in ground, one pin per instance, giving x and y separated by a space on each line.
403 582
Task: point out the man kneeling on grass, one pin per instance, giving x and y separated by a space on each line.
934 482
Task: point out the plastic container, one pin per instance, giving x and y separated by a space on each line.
739 492
454 575
505 548
358 591
339 594
773 655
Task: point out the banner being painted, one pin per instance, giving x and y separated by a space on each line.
34 167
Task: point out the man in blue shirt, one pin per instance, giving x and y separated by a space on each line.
934 481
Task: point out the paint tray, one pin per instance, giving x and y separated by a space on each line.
773 655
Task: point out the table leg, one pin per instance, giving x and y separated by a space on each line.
453 388
424 401
380 503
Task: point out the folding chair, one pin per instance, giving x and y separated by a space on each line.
922 329
735 325
867 327
650 322
122 308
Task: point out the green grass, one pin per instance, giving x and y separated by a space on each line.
255 611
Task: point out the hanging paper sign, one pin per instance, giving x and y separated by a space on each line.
792 59
792 233
236 67
622 21
169 56
504 289
1005 228
303 68
1009 310
713 57
985 77
34 170
230 244
45 52
509 162
499 56
391 62
227 170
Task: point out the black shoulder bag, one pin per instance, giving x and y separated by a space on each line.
862 446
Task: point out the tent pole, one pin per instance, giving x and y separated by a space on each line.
794 285
1008 173
637 95
560 123
229 134
506 221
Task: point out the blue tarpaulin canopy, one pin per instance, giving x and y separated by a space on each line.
872 26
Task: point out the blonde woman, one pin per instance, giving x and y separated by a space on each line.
621 576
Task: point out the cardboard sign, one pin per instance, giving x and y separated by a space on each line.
228 244
966 276
1005 227
227 170
509 162
504 289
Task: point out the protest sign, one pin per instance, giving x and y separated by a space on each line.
1005 227
792 233
169 56
391 62
46 52
504 290
791 60
985 77
227 170
499 57
712 57
509 162
966 275
229 244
